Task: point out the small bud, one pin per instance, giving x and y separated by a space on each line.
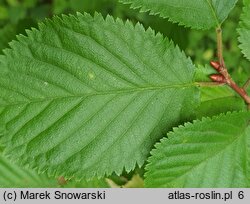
215 65
218 78
61 181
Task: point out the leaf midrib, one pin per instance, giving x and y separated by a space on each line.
122 91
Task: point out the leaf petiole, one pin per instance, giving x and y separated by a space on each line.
221 68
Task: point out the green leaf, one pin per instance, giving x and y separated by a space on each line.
214 152
220 105
202 14
244 30
85 96
12 176
174 32
209 93
202 73
215 99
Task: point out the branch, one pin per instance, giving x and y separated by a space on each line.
220 46
224 76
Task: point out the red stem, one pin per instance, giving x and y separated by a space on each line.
221 68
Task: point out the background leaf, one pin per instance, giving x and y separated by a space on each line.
82 95
203 14
218 99
209 153
12 176
244 30
215 99
9 32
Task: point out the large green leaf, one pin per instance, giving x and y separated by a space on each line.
209 153
202 14
85 96
244 30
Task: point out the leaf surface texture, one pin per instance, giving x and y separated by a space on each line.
85 96
14 176
210 153
202 14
